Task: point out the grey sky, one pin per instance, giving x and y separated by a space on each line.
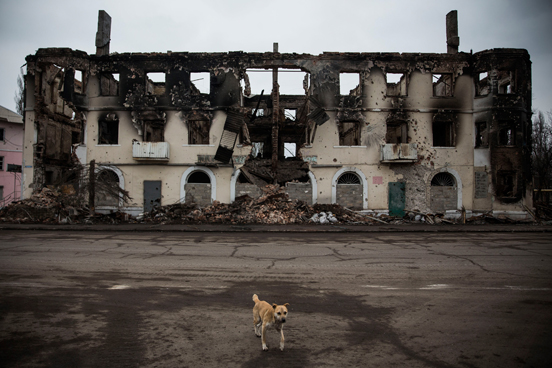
301 26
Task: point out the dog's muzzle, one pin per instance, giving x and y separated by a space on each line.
283 320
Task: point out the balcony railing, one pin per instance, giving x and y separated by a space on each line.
399 153
150 151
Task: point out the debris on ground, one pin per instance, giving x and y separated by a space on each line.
51 206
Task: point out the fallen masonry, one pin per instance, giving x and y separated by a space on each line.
274 207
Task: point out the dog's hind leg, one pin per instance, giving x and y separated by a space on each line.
263 335
257 324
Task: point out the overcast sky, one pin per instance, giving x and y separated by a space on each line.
301 26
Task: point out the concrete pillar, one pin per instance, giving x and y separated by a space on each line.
453 41
103 36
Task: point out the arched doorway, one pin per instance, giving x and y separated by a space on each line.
349 190
443 193
107 189
198 186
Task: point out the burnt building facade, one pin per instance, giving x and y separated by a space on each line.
382 132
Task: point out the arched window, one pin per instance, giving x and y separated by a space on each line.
443 180
107 188
349 178
199 177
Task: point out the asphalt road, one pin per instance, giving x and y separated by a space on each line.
164 299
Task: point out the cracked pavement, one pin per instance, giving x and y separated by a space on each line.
183 299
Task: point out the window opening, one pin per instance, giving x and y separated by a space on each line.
442 85
506 137
198 131
292 82
155 83
397 132
505 82
260 79
349 84
290 114
202 81
443 180
349 133
481 134
443 134
506 183
109 84
1 134
290 149
396 84
349 178
108 129
260 112
153 131
482 84
257 149
199 177
1 163
79 84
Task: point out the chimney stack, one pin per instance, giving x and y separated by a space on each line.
453 41
103 36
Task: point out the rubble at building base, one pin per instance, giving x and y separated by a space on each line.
274 207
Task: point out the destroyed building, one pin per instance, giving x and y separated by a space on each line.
382 132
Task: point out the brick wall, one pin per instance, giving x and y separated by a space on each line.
443 198
248 189
300 191
349 195
198 193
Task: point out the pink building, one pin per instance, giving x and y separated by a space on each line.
11 153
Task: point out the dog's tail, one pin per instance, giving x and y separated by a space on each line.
255 298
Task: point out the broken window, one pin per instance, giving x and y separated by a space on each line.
349 84
349 133
107 192
260 80
290 149
290 114
505 184
155 83
154 131
198 131
109 84
79 81
442 85
201 81
1 163
506 136
397 132
257 149
505 85
108 130
443 134
199 177
482 87
481 135
292 82
396 84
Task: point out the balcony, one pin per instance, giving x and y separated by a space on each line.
397 153
150 151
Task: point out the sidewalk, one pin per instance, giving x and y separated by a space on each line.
309 228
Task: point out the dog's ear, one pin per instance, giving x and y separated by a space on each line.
274 306
286 305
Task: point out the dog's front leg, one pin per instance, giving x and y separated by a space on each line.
282 338
263 336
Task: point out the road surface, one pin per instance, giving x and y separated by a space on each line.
165 299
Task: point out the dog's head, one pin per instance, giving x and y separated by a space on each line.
280 312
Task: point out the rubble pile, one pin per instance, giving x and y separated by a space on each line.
274 207
46 206
50 206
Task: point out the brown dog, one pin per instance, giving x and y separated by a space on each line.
265 315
